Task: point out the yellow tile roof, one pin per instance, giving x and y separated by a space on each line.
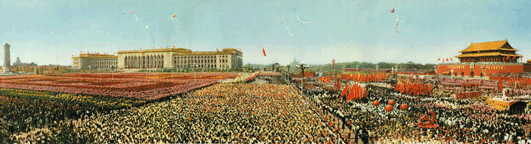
486 54
485 46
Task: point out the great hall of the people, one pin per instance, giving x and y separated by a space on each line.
179 58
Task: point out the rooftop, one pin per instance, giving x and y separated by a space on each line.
487 46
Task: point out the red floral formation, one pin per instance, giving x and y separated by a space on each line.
136 85
391 102
388 108
376 103
403 107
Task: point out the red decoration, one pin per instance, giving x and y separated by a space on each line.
388 108
391 102
376 103
403 107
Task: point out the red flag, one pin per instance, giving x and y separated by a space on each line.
140 47
72 55
521 59
114 53
351 94
345 91
217 50
439 59
173 46
451 59
263 50
446 59
514 56
81 52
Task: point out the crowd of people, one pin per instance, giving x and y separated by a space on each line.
267 113
459 120
242 113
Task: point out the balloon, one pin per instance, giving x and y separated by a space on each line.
376 103
388 108
403 107
282 21
391 102
393 10
174 15
146 26
133 11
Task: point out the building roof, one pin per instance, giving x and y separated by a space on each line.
487 46
156 50
486 54
95 56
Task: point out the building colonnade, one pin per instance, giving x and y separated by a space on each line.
150 61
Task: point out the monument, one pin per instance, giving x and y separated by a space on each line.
7 58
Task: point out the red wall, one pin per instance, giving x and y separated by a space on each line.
489 69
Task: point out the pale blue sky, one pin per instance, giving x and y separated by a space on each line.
49 32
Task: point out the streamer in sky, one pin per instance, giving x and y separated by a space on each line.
289 31
174 15
135 16
301 20
396 29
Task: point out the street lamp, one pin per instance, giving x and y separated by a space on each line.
396 68
288 73
302 67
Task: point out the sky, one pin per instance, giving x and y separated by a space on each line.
51 31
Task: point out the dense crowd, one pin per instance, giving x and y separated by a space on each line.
459 120
266 113
245 113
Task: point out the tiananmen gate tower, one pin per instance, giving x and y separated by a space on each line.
483 59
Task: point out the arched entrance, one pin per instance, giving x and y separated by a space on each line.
481 75
472 74
462 74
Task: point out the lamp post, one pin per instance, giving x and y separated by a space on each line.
112 71
302 67
396 68
287 76
377 68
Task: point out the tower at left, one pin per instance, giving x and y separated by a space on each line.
7 57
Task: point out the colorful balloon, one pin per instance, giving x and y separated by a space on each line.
376 103
133 11
282 21
391 102
403 107
174 15
146 26
388 108
393 10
